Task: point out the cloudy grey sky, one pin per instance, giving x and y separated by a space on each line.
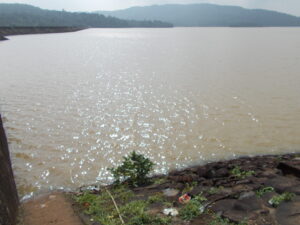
287 6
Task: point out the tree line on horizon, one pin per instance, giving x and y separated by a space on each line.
21 15
206 15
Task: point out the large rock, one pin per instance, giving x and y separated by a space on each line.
291 167
288 213
217 173
283 184
249 207
9 201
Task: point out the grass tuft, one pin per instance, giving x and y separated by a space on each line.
264 190
193 208
285 197
102 210
237 172
215 190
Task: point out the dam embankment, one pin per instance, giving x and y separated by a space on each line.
9 201
7 31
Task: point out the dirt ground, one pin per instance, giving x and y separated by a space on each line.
50 209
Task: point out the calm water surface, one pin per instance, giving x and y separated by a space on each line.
75 103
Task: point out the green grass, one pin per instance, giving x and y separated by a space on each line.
168 204
133 171
215 190
159 180
237 172
156 198
189 187
134 212
277 200
218 220
144 219
193 208
263 191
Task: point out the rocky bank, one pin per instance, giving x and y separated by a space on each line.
258 190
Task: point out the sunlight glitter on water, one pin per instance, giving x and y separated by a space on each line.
74 104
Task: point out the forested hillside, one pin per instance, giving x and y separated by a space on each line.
26 15
207 15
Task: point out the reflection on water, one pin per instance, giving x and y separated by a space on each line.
75 103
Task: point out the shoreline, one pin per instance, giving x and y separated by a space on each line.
8 31
234 190
2 38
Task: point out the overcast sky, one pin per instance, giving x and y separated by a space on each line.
288 6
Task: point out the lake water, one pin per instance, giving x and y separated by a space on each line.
75 103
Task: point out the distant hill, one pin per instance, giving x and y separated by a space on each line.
21 15
205 15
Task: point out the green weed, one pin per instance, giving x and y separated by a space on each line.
189 187
237 172
168 204
145 219
102 210
215 190
158 197
276 200
193 208
159 180
218 220
263 191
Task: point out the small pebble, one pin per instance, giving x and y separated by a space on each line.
169 192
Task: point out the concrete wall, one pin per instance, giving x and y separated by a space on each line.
9 200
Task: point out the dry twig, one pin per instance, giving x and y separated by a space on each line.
116 206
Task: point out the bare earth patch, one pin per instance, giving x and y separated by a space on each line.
52 209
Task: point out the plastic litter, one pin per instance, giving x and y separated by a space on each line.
184 198
170 212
